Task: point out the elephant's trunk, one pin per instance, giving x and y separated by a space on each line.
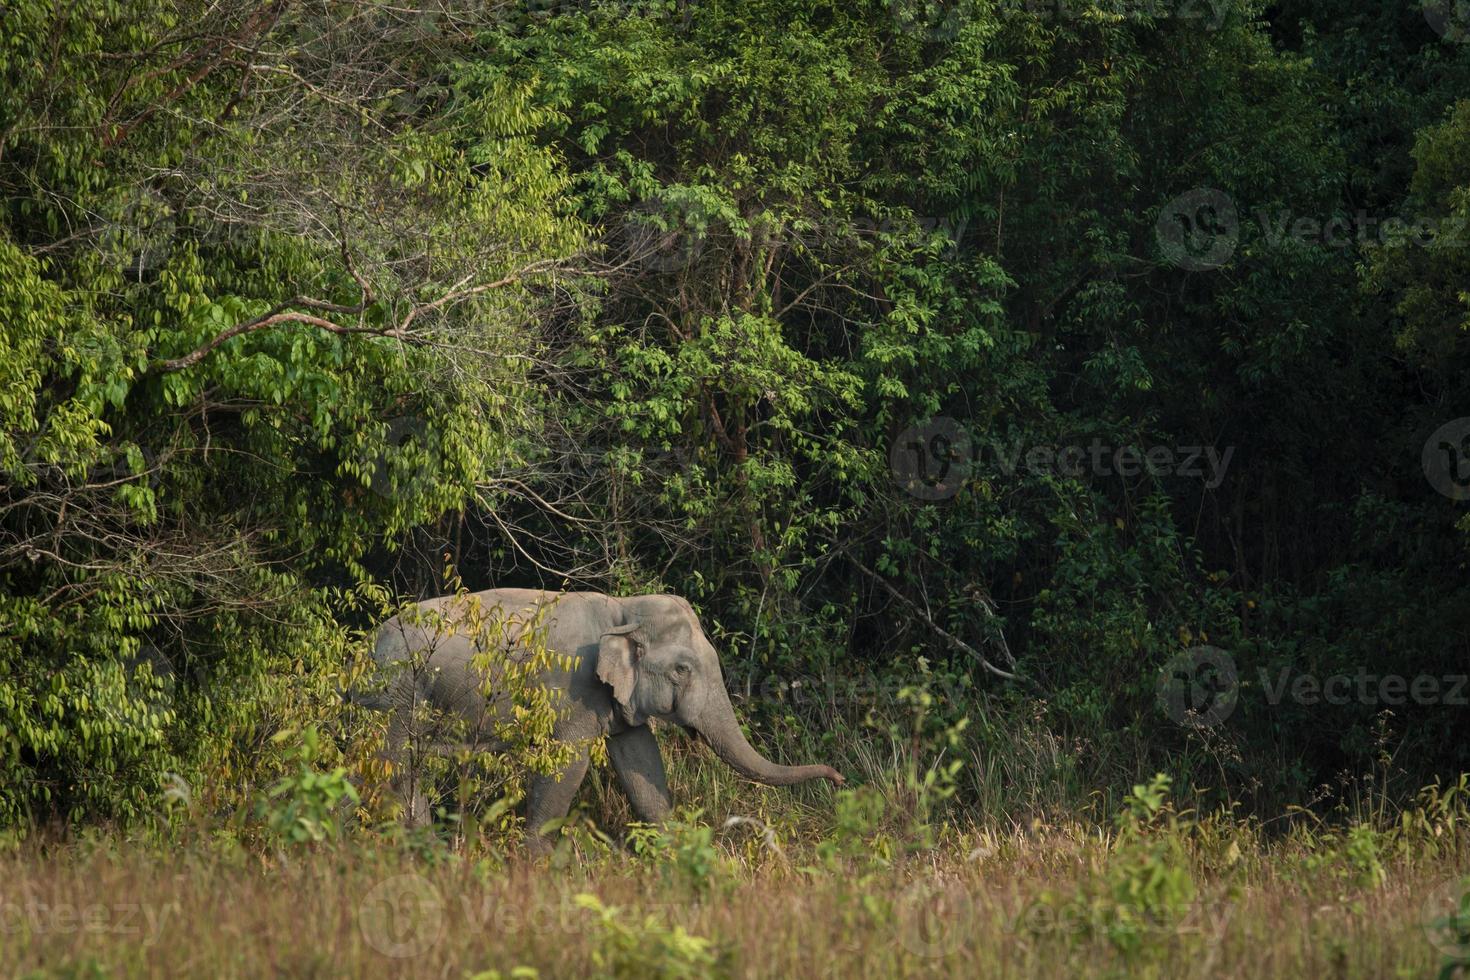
721 730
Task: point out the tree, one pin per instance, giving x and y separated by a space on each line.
268 290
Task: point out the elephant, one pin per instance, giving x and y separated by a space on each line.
622 662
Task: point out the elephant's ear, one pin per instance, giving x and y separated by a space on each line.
617 662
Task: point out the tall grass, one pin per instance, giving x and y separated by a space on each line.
707 899
874 881
958 850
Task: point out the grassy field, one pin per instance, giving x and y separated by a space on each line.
1035 904
846 884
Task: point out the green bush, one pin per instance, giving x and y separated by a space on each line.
306 806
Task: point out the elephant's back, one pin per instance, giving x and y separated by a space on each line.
436 622
432 622
438 639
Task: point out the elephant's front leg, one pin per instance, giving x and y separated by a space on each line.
635 757
550 798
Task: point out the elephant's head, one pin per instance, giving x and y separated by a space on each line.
660 665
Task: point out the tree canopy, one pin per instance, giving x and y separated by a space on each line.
1045 342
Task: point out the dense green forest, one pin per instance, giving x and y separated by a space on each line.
1019 351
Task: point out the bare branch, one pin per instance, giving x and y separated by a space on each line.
953 640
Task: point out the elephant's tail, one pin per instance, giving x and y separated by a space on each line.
373 699
372 692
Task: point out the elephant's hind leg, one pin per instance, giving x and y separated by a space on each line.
550 797
409 787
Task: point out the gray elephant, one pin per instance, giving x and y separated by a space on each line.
623 662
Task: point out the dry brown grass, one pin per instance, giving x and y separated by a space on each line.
1027 903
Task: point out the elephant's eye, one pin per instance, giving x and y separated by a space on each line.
682 670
